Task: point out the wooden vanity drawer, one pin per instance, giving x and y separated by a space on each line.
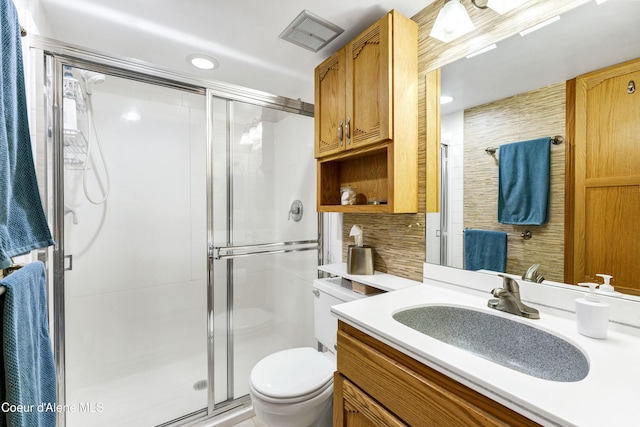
413 392
358 409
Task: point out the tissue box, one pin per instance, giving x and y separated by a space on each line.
360 259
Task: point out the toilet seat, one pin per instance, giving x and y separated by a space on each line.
292 375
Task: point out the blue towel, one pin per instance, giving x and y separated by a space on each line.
29 372
485 250
523 183
23 226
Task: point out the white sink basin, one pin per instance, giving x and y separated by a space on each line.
512 344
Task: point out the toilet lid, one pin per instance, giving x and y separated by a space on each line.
292 373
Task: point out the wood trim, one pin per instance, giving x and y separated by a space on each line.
620 181
403 66
569 186
432 140
415 393
338 399
596 77
579 175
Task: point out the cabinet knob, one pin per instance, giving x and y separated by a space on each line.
340 132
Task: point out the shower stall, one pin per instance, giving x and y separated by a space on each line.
186 236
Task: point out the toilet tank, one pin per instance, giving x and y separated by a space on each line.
328 292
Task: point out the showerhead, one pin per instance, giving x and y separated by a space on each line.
92 77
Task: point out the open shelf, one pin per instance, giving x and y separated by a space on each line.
366 170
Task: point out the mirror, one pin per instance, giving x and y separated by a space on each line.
512 93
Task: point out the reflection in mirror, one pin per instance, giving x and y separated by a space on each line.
512 93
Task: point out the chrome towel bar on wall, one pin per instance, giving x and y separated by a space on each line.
556 140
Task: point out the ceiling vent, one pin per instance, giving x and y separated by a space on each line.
310 31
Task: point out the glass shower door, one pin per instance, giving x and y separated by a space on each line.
264 252
135 244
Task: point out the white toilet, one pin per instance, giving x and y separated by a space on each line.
294 388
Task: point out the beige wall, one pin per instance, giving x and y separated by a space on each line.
526 116
399 240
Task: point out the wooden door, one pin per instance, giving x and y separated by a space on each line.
368 85
330 105
606 221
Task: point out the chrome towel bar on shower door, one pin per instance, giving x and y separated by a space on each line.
221 252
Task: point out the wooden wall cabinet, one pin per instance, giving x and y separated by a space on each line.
366 132
378 385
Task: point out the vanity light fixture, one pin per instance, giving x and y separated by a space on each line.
204 62
453 19
481 51
540 25
452 22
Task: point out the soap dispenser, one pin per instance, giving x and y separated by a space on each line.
606 288
592 314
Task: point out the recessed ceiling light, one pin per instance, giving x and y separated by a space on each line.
445 99
203 62
131 116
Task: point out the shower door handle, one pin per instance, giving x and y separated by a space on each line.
221 252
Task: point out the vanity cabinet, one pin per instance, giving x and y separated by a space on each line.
366 132
378 385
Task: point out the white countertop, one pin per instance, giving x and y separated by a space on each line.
379 280
606 397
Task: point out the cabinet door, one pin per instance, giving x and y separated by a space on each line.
606 165
368 85
354 408
329 105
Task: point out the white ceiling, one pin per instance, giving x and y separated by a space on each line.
241 34
587 38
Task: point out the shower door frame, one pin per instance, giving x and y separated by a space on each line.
50 166
229 251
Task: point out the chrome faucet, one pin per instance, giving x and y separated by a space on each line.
531 275
508 300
